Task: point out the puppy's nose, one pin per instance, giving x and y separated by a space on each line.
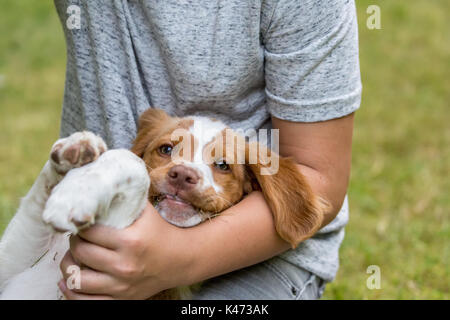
182 177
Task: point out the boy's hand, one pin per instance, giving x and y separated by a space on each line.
133 263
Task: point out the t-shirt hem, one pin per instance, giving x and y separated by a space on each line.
313 111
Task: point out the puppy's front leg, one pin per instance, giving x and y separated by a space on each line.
27 237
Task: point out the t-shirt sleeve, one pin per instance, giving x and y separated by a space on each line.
311 59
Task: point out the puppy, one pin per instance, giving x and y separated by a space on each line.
198 167
219 171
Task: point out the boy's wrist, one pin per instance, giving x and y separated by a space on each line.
186 255
191 257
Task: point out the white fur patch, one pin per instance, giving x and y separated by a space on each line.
204 130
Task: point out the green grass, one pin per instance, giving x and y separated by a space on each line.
32 64
400 186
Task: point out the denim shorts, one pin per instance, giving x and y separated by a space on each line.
274 279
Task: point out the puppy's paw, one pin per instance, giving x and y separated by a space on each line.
75 151
112 191
71 207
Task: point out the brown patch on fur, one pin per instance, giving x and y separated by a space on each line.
153 124
234 181
55 153
88 153
72 153
61 173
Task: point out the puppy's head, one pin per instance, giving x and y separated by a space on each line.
199 167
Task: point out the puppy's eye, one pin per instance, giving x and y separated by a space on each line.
222 165
165 149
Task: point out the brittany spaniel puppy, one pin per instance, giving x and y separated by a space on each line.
198 167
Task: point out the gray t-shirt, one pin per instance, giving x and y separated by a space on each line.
238 61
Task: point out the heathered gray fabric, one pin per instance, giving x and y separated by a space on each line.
238 61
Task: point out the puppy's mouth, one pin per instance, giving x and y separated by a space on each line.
178 211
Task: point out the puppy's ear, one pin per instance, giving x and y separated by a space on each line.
149 127
297 211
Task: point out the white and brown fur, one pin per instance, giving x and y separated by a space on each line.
82 183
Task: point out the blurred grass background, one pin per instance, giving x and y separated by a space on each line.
400 186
